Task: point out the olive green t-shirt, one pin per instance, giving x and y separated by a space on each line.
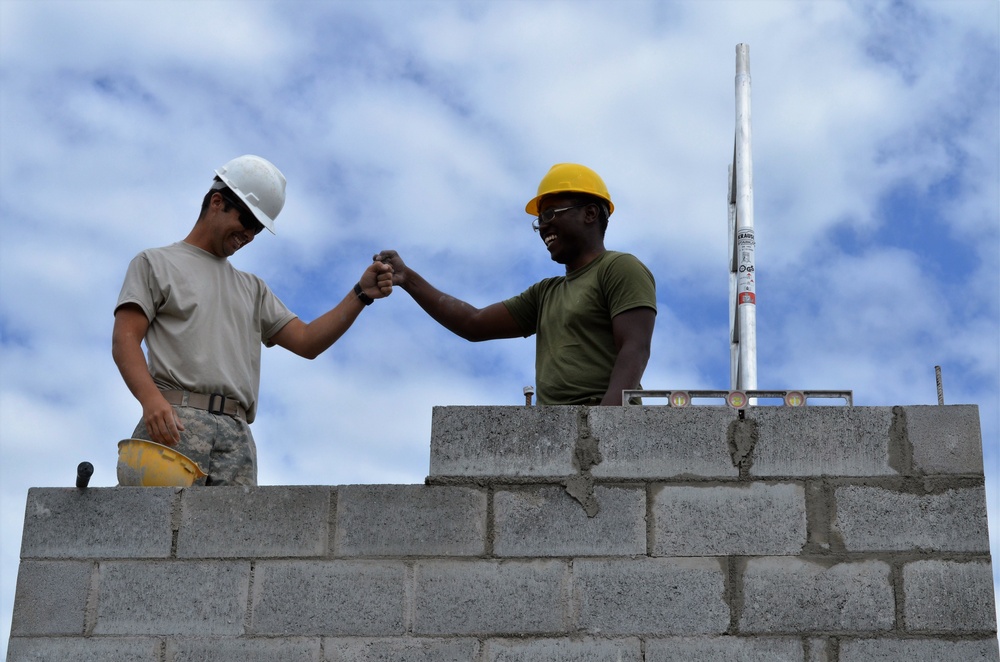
571 315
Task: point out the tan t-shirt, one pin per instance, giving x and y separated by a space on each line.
207 321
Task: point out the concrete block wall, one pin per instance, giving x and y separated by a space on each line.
563 534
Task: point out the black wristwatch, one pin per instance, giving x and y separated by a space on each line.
365 299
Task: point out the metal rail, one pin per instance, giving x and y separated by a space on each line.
738 399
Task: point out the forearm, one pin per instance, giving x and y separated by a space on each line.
126 348
626 373
309 340
131 362
462 319
451 313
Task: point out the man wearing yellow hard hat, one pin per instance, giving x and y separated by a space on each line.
593 325
204 321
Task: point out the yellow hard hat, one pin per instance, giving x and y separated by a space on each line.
143 463
570 178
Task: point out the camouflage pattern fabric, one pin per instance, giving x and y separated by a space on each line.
221 445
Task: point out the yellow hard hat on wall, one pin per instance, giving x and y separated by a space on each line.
144 463
570 178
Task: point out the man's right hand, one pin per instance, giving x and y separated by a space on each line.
399 269
162 422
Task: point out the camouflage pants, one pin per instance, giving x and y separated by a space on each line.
221 445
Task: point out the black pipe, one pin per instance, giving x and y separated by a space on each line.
83 474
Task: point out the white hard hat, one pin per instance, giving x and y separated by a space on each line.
259 184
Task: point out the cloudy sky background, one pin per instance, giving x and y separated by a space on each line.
425 127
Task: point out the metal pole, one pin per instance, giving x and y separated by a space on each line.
734 323
745 245
940 384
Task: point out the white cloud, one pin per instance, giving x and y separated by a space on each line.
425 127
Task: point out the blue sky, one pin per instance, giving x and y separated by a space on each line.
425 127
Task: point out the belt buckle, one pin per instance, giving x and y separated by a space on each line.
211 404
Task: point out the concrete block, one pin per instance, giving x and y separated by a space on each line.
820 650
908 650
754 519
260 522
169 597
949 595
880 519
650 596
546 521
401 649
712 649
227 649
333 598
51 597
410 520
662 442
563 650
822 441
503 441
115 522
793 595
490 597
80 649
945 439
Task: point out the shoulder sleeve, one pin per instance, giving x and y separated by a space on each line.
628 284
141 287
524 308
274 314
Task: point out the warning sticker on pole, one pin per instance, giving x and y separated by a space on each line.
746 287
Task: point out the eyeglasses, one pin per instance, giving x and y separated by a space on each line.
247 219
549 214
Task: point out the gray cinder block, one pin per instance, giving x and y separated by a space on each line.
98 522
949 595
820 649
945 439
258 649
503 441
262 522
791 594
564 650
334 598
650 596
684 557
51 597
880 519
490 597
822 441
170 597
546 521
80 649
908 650
745 520
662 442
400 649
410 520
712 649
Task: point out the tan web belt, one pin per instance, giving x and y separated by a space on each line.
216 403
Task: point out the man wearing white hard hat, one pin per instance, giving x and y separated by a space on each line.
204 322
593 326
